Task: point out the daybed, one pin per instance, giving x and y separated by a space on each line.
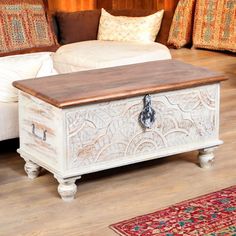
82 53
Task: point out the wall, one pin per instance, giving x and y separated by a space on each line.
72 5
138 4
76 5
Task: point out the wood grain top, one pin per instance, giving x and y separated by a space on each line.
118 82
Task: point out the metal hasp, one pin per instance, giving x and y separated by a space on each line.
148 115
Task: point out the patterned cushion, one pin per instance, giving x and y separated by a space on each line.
23 24
181 28
215 25
123 28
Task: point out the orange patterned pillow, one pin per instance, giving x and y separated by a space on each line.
215 25
181 28
23 25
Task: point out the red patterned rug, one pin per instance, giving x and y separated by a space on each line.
213 214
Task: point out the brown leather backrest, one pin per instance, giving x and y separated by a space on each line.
77 26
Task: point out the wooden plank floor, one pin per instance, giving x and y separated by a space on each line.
33 208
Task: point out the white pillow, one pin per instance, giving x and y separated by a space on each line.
19 67
123 28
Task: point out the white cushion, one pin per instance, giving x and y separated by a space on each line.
96 54
20 67
124 28
8 120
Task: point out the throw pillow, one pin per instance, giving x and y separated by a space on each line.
215 25
123 28
20 67
24 24
182 25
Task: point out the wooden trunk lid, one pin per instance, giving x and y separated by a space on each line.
118 82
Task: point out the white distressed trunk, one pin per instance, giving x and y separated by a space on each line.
74 141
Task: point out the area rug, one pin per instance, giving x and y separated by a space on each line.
213 214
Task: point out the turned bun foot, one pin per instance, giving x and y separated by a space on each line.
67 188
67 191
32 169
206 158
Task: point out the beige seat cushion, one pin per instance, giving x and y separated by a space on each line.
97 54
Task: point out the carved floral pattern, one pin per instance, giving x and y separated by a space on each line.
110 131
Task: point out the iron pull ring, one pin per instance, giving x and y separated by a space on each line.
148 115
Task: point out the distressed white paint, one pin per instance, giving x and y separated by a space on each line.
206 158
100 136
45 117
67 188
32 169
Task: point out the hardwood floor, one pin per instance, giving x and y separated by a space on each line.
33 208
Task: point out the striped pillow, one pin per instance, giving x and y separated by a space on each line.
182 25
215 25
